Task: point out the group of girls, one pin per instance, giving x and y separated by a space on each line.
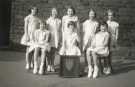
44 38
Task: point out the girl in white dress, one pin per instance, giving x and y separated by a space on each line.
113 28
54 26
66 19
89 28
99 47
32 23
70 43
41 43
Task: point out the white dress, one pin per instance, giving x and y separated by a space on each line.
41 40
89 29
65 20
70 47
33 24
100 44
113 27
54 26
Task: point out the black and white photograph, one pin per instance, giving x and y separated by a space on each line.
67 43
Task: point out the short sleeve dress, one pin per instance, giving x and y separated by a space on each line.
70 47
89 30
65 20
33 24
113 28
100 44
40 40
54 26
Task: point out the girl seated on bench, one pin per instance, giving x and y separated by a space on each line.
70 42
99 47
42 44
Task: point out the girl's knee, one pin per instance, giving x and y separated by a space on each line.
37 50
88 53
93 53
43 51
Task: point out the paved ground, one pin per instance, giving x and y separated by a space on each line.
13 74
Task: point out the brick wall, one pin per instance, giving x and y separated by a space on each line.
124 9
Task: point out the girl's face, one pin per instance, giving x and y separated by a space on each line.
103 28
54 12
34 11
42 26
71 27
91 14
110 16
70 12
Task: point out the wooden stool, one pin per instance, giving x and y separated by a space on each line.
69 66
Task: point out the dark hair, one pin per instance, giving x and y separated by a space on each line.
93 11
110 11
70 7
103 23
54 8
33 8
71 23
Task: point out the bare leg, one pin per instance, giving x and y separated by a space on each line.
52 58
105 65
90 68
43 59
110 62
89 58
32 60
108 66
28 59
49 61
36 53
96 68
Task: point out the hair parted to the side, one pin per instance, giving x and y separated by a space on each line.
93 10
33 8
71 7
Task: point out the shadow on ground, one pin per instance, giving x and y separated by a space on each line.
11 56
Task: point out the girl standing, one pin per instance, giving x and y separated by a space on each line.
113 28
66 19
32 23
89 28
70 43
54 26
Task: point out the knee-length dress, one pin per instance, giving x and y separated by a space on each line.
54 26
33 24
70 47
113 28
100 44
41 40
89 30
